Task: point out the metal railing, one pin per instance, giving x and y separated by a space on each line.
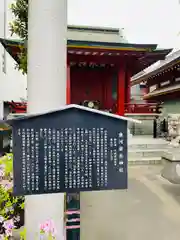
134 108
143 108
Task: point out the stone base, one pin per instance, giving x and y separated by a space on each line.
171 170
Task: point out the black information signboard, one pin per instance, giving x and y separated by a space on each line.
69 150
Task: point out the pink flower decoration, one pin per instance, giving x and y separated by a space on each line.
7 186
9 225
48 227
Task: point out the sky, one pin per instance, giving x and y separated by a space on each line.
144 21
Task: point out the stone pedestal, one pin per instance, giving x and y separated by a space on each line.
171 161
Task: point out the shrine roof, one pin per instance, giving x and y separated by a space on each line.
171 61
111 45
91 44
162 91
4 132
145 53
74 106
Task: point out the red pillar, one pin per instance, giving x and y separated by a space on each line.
128 89
128 86
121 91
68 87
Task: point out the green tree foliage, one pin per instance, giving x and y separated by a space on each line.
19 27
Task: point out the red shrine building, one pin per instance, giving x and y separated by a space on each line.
100 64
163 83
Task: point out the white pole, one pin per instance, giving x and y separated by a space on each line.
5 25
47 39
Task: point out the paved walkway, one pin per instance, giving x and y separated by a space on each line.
149 210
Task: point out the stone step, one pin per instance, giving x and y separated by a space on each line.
147 138
147 146
145 161
146 150
146 143
139 153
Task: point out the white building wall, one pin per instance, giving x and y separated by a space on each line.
12 84
98 36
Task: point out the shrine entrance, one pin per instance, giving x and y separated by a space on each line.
92 84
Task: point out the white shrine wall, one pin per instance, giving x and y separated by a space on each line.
12 84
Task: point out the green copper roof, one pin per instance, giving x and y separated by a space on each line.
150 53
145 47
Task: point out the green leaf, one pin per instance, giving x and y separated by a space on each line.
19 27
23 234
